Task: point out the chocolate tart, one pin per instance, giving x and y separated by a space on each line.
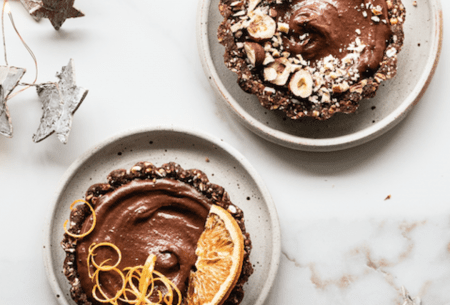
312 58
149 209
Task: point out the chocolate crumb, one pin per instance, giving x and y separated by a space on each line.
387 198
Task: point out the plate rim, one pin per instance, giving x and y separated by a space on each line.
309 144
84 157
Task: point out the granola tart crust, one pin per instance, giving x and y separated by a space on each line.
347 103
147 171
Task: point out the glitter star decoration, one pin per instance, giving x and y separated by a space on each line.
57 11
9 79
59 103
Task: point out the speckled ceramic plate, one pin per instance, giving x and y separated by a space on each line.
395 98
226 167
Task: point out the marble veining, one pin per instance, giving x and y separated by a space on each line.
378 261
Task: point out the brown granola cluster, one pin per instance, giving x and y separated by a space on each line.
147 171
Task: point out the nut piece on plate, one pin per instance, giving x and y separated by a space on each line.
282 68
270 74
252 4
255 53
268 59
261 26
283 27
301 84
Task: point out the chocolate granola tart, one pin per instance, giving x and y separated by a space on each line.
188 188
312 58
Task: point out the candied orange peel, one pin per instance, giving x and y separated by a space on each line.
93 222
138 284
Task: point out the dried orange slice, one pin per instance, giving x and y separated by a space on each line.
220 254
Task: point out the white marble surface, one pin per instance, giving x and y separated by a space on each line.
342 242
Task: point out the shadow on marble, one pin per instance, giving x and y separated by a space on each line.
325 163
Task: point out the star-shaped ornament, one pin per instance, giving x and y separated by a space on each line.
32 6
9 79
57 11
59 102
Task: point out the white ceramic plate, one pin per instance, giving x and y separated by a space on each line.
227 168
394 100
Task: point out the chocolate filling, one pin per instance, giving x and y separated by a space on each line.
331 26
164 218
182 198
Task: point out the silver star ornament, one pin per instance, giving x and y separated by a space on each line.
9 79
57 11
59 103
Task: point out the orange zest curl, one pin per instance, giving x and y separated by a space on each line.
144 277
93 222
98 286
101 267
